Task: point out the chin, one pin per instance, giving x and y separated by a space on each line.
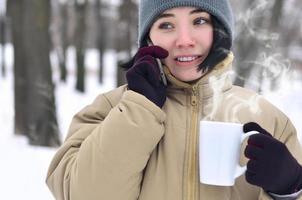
188 74
187 79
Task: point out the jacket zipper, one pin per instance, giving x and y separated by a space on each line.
192 180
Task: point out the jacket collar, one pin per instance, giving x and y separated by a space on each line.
217 80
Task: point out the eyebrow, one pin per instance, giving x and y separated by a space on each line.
166 15
198 10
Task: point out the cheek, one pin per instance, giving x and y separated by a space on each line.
169 48
163 42
167 62
159 39
207 39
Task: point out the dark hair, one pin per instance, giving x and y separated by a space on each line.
220 48
128 63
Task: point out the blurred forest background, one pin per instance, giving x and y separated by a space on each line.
268 44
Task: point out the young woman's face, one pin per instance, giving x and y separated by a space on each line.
187 34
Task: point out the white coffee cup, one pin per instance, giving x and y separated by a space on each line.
219 152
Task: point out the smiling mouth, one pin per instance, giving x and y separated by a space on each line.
186 58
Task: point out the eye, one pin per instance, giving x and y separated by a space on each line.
165 25
200 21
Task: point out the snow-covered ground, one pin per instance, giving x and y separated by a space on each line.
23 168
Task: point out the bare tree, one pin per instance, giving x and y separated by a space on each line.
291 30
15 11
254 36
128 34
34 95
2 43
80 7
101 38
274 27
60 21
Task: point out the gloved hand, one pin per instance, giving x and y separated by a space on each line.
271 165
144 75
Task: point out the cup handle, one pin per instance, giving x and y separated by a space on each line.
241 169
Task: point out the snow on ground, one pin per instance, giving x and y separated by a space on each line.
23 168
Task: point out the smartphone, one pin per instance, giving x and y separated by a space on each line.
160 66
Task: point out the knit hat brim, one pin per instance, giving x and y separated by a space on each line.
150 10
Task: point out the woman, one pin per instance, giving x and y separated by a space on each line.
139 141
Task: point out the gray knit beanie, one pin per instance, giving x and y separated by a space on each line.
149 10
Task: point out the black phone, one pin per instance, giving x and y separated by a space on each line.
160 66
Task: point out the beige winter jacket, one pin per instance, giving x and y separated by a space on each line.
124 147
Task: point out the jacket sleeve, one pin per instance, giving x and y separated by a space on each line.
290 139
106 150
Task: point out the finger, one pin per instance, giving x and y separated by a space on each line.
261 140
154 51
148 58
257 140
253 167
137 82
147 68
251 178
253 126
252 152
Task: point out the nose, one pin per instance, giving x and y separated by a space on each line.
184 38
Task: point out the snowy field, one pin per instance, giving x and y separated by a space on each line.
23 168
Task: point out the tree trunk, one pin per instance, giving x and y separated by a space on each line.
264 21
41 110
2 43
276 15
15 9
121 74
128 23
101 37
62 52
101 60
38 102
62 63
248 45
80 41
275 25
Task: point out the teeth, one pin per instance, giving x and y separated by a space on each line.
187 59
